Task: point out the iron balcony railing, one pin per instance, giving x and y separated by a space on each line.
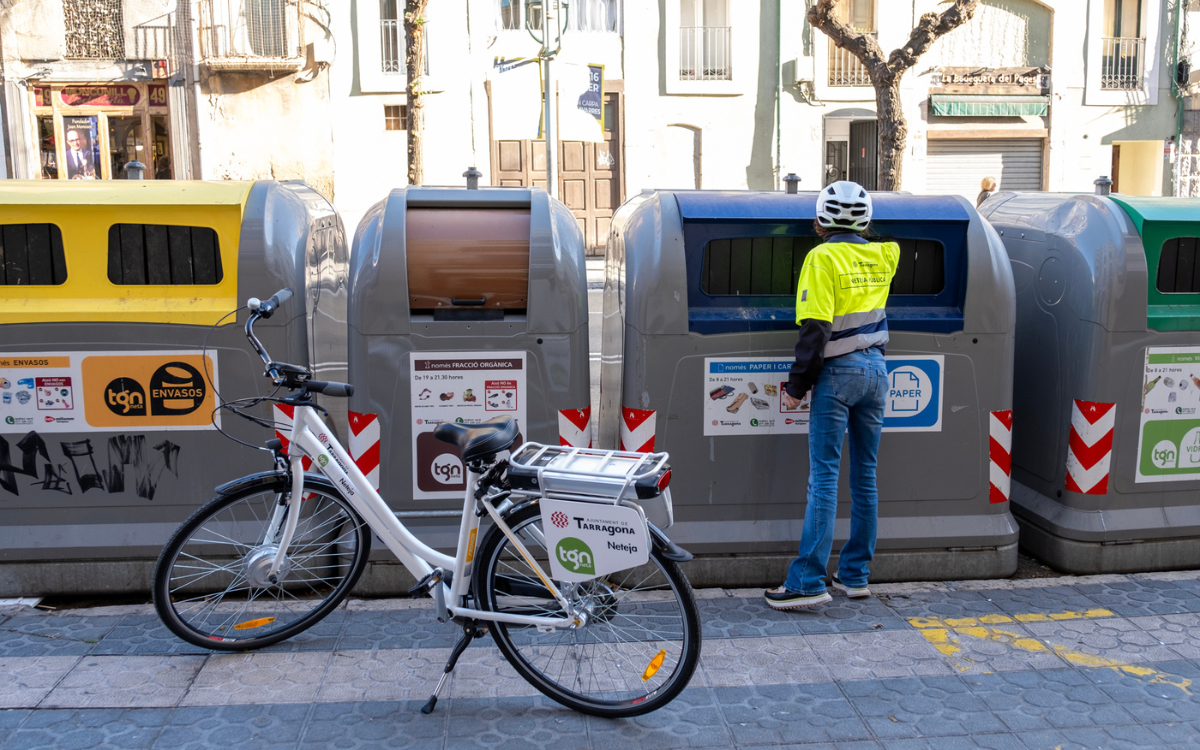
250 34
1123 63
392 47
845 69
705 53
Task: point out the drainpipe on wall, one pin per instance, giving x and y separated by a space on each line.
778 88
5 161
1180 9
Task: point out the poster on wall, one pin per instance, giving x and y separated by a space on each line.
466 388
744 396
581 102
516 84
83 147
107 391
1169 433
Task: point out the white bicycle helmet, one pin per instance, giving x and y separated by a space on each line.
844 205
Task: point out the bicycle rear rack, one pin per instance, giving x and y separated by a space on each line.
589 474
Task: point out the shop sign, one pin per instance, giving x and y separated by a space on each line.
117 95
991 81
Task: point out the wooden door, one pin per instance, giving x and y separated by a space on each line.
589 174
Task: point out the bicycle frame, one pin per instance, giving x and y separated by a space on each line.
310 436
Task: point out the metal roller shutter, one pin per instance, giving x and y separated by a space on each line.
958 166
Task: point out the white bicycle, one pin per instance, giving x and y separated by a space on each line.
277 551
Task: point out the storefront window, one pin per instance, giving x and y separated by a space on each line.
91 131
162 149
47 144
125 144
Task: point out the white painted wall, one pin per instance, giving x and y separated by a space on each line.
464 40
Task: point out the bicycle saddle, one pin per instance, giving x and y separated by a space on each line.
491 437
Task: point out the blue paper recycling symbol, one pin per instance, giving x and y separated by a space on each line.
914 399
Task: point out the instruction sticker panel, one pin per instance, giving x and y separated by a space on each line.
88 391
1169 433
467 388
744 396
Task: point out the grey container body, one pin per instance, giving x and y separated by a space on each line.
745 495
67 540
1081 281
384 334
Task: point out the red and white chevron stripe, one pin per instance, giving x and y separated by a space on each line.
284 413
1000 451
637 430
575 427
1090 447
364 445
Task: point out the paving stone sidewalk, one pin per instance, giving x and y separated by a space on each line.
1072 662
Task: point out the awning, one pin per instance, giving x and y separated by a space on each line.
981 105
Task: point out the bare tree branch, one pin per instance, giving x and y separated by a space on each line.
861 45
885 73
928 30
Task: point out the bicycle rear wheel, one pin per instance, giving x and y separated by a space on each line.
210 582
638 649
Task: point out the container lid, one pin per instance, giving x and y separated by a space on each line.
123 192
773 206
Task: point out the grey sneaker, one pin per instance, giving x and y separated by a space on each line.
781 598
851 591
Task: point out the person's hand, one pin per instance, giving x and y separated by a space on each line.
789 402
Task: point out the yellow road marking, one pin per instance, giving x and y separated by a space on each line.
965 622
942 634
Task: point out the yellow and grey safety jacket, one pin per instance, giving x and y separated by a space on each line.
840 303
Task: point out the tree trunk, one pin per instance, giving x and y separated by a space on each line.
414 60
893 133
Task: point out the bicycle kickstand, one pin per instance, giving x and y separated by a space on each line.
470 632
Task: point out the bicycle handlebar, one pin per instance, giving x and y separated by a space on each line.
281 373
330 388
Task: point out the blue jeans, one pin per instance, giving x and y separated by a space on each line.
850 393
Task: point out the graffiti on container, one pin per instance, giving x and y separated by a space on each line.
128 465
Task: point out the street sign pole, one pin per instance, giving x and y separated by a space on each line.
549 116
553 24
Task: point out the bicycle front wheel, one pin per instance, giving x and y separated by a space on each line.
211 582
638 648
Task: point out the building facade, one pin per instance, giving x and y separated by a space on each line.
680 94
192 89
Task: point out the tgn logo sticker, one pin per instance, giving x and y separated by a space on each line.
167 390
576 556
125 397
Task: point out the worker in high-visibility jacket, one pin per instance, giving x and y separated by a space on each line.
840 301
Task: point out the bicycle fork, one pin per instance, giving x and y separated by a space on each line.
289 522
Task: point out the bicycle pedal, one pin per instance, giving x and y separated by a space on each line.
423 586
